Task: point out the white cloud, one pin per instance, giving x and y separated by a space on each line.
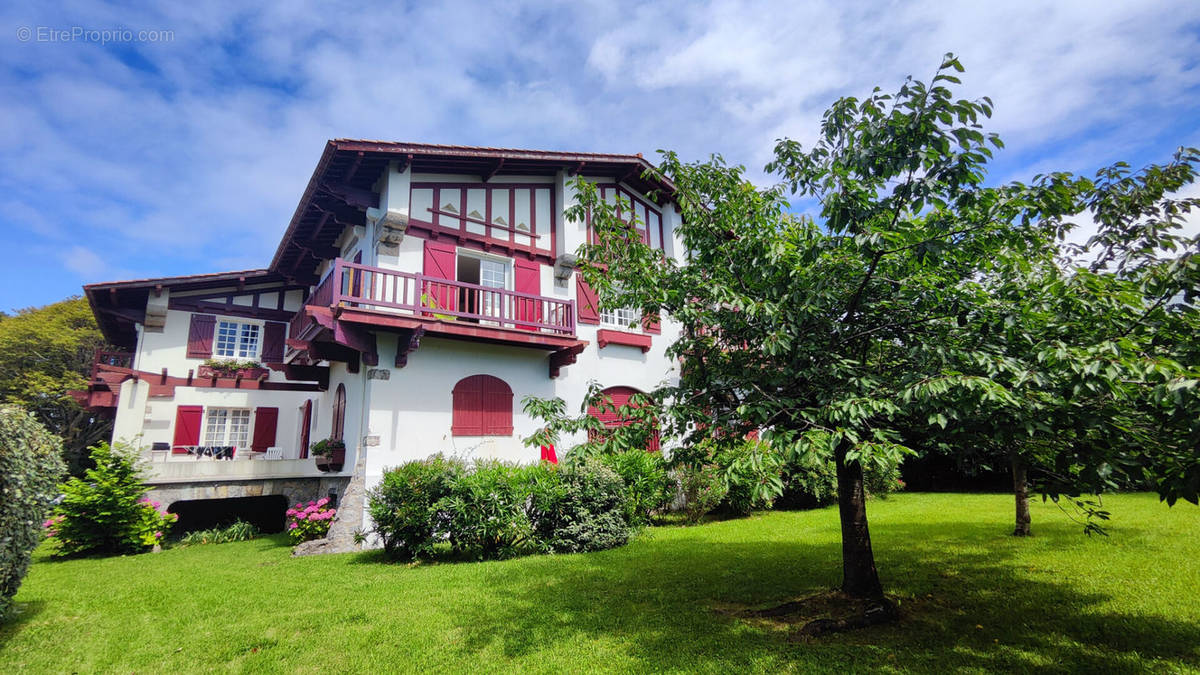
188 156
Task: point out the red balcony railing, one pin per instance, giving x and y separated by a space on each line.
355 285
103 357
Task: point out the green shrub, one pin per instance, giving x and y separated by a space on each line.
404 506
881 478
107 511
582 506
239 530
754 474
648 485
808 485
30 468
485 511
704 488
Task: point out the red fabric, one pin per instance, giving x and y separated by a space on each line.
586 302
265 422
273 335
200 336
187 427
548 454
439 264
482 406
527 278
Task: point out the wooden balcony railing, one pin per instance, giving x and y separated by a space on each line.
355 285
104 357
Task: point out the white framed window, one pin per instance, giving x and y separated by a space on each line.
625 318
237 340
227 426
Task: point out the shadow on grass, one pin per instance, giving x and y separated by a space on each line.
21 614
961 608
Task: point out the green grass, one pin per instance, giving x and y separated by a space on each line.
973 599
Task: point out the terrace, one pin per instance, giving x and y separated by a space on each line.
353 300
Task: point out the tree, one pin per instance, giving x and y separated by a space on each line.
828 333
45 352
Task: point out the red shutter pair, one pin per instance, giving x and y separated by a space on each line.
588 305
187 428
200 339
481 406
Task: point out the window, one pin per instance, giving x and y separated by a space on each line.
489 273
236 340
227 426
482 406
625 318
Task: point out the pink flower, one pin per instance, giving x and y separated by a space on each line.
292 526
48 523
322 501
158 535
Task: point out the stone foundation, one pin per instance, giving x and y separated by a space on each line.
294 489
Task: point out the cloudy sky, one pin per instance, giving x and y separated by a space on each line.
188 155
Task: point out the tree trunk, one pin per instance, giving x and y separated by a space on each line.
1020 474
859 577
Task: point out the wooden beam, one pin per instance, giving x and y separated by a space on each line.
564 357
495 170
353 168
407 343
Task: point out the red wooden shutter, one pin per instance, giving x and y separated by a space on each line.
305 429
652 324
265 422
497 407
337 427
467 415
586 302
272 349
610 418
527 278
439 263
482 406
200 336
187 427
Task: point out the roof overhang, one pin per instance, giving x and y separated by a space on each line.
342 186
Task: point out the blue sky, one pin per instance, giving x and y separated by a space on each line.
188 156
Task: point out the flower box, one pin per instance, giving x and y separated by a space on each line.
244 373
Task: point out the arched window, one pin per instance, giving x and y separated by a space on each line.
611 419
482 407
338 428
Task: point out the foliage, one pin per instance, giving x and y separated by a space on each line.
404 506
703 486
648 486
306 522
485 511
230 367
239 530
754 474
107 512
46 352
579 507
638 415
835 332
326 446
30 468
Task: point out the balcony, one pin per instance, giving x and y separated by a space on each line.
355 299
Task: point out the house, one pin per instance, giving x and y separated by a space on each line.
418 294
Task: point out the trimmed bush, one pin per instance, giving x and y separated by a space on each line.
485 511
649 487
581 507
404 506
809 486
30 468
107 512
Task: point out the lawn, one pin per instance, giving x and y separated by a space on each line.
972 597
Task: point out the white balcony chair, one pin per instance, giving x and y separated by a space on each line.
273 452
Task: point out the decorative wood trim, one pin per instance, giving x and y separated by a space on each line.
407 343
605 337
563 358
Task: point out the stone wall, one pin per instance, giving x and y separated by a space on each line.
294 489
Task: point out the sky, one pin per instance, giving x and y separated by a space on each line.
159 154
